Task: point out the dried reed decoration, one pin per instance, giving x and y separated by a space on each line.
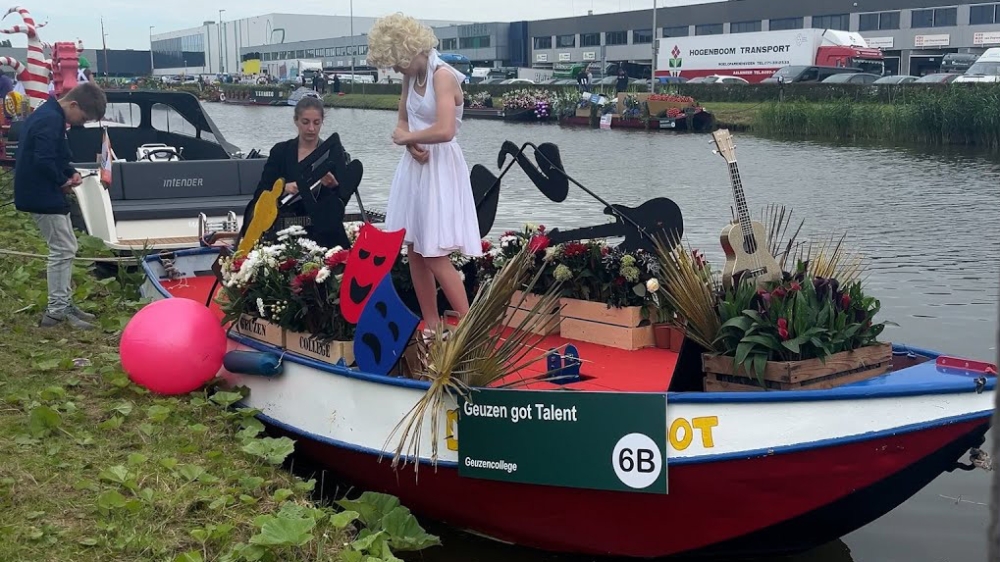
481 350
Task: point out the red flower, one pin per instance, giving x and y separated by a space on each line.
487 245
794 287
605 250
573 249
619 280
288 265
783 328
779 293
541 229
302 279
339 258
845 300
538 243
238 263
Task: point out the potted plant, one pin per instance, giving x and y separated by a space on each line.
813 327
606 297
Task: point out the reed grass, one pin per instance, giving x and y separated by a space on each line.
952 115
483 349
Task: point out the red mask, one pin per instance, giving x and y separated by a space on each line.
372 257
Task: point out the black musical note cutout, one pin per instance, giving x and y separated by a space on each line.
548 176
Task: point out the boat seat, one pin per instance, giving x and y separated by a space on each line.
178 208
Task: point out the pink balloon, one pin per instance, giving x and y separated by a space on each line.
173 346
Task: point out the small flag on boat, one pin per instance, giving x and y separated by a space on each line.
107 157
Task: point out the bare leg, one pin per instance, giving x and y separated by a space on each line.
423 285
451 283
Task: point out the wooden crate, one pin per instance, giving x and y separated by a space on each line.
517 311
260 330
594 322
327 351
811 374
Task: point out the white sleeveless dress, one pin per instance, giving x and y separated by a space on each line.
434 201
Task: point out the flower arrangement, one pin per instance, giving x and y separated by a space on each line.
633 108
479 100
526 99
294 283
534 238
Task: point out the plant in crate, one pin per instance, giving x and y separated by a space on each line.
782 333
294 283
800 317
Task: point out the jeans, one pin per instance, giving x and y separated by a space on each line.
57 230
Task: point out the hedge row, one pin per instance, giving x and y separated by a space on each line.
888 93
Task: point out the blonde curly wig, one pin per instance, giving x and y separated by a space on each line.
395 40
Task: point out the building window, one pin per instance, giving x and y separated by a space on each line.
840 22
449 44
566 41
616 38
708 29
676 31
785 23
300 54
982 14
543 42
744 26
363 49
590 39
642 36
875 22
937 17
480 42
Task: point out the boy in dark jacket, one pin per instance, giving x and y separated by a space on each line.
43 177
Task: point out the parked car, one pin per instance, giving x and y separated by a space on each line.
896 79
725 79
957 62
938 78
789 74
852 78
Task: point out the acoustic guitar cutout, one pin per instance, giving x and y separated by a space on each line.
659 218
265 212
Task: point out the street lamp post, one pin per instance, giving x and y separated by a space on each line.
152 67
354 49
221 60
652 71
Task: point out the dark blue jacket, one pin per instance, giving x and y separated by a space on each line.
42 162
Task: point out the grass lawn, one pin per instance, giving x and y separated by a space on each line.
96 468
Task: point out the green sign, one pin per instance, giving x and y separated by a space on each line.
597 440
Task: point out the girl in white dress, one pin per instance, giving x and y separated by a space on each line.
431 194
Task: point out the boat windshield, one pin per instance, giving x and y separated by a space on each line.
870 65
990 68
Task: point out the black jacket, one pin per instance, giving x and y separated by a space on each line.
282 162
42 162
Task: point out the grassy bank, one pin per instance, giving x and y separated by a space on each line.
958 116
96 468
737 115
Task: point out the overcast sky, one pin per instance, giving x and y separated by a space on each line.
127 22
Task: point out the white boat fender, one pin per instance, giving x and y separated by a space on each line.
259 363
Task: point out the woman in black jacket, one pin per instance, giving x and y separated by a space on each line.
283 160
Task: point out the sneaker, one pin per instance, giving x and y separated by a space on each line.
79 314
50 320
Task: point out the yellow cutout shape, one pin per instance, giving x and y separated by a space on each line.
265 212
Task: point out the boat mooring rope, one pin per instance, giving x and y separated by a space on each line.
43 256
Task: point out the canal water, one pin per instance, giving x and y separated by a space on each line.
925 218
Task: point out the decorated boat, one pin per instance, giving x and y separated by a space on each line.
553 416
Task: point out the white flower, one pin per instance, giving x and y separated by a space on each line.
653 285
329 253
551 253
323 275
260 308
461 275
293 231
